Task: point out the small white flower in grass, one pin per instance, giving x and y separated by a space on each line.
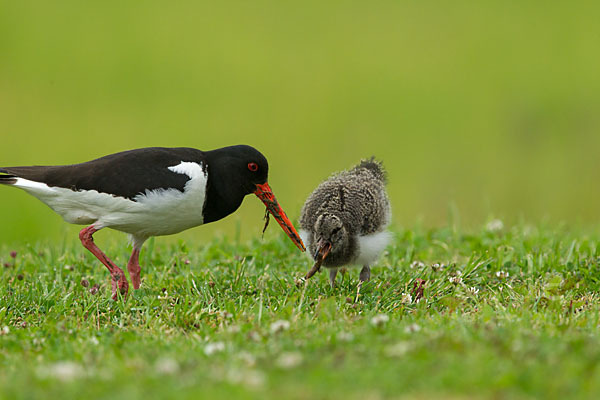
280 326
247 358
473 290
289 360
345 336
379 320
438 267
248 377
502 274
64 371
226 314
255 336
398 350
417 264
406 298
412 328
94 340
212 348
166 366
4 331
455 279
494 225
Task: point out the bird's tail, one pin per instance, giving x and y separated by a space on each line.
6 178
374 166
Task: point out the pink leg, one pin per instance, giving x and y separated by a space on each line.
133 266
119 283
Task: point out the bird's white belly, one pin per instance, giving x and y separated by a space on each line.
371 246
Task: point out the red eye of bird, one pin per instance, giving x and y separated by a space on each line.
253 167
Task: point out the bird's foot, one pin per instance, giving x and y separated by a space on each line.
358 291
365 276
119 285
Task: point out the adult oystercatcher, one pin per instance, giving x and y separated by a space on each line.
344 220
150 192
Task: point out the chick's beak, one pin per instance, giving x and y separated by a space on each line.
323 249
264 192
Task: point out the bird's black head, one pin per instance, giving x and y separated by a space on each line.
331 236
241 167
235 172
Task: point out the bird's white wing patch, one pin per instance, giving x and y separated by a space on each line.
370 247
172 211
191 169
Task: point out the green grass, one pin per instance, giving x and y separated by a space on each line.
205 324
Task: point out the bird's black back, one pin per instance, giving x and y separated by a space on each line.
125 174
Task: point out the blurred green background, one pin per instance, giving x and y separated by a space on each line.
482 108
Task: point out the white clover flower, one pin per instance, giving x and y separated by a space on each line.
455 279
247 358
226 314
289 360
245 377
165 295
398 350
406 298
494 225
166 366
438 266
280 326
212 348
473 290
255 336
417 264
64 371
379 320
502 274
345 336
4 331
412 328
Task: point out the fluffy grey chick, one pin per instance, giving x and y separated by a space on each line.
344 220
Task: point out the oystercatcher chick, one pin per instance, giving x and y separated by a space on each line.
150 192
344 220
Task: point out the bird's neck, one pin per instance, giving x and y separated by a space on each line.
224 194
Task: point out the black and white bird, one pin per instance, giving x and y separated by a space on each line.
344 220
150 192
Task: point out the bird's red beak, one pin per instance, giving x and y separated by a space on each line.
265 193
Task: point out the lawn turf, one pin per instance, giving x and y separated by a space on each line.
505 313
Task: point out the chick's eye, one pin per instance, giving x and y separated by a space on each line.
253 167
